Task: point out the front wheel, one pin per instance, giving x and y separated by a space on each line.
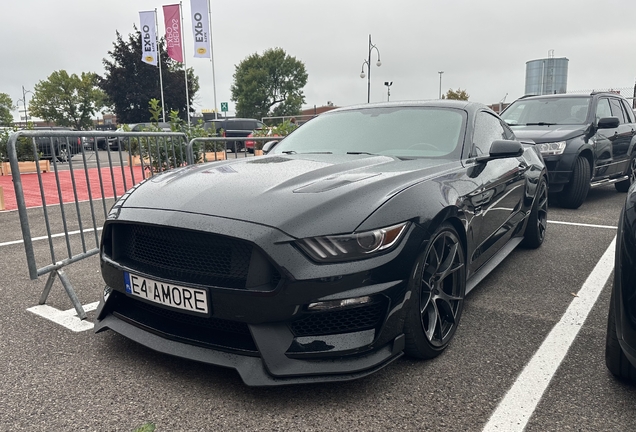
576 190
538 221
438 285
624 185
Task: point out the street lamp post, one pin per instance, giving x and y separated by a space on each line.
388 85
368 63
26 114
440 83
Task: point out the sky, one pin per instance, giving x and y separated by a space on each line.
481 46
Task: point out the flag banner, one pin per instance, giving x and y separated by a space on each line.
200 28
148 37
174 44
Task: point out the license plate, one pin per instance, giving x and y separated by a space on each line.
174 296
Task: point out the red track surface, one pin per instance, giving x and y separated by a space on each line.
33 195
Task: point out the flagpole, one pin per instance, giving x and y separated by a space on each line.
163 107
216 116
185 67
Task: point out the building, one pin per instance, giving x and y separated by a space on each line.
547 76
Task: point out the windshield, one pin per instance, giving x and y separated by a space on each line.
547 111
407 132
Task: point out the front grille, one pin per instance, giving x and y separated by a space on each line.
188 256
339 321
219 333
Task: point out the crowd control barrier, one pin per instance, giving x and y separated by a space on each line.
77 176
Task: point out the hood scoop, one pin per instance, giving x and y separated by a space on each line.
335 181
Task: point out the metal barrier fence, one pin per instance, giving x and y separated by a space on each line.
98 178
110 164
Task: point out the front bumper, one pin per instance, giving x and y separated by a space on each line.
559 170
268 335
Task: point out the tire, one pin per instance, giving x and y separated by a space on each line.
615 359
631 173
575 192
538 221
63 154
438 285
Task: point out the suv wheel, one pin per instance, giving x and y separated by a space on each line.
576 191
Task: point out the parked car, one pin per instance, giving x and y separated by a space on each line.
62 148
352 242
620 344
250 145
234 127
585 140
113 143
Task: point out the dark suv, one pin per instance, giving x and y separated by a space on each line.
585 140
234 127
63 148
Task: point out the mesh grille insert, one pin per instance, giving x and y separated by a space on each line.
339 321
222 333
183 255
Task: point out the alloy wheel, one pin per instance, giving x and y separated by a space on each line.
542 209
442 288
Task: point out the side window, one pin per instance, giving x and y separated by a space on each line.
629 113
488 128
617 111
603 109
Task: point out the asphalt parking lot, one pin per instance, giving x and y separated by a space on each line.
55 378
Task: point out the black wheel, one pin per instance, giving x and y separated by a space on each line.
615 360
538 220
575 192
63 154
631 173
438 285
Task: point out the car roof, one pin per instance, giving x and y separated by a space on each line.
571 95
441 103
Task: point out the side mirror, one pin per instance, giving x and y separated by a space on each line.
608 123
501 149
268 146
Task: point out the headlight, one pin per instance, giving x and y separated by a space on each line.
354 246
553 148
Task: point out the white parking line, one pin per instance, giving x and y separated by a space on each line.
582 224
517 406
14 242
67 318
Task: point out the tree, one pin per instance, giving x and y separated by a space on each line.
67 100
6 106
130 84
269 84
459 94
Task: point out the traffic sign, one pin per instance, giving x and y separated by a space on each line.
224 106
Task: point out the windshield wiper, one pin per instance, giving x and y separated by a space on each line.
359 153
540 124
289 152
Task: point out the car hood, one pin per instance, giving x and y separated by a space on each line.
543 134
302 195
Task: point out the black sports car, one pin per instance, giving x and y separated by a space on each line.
620 345
352 242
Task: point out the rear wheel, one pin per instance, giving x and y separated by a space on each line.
615 359
631 173
438 285
576 191
538 220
